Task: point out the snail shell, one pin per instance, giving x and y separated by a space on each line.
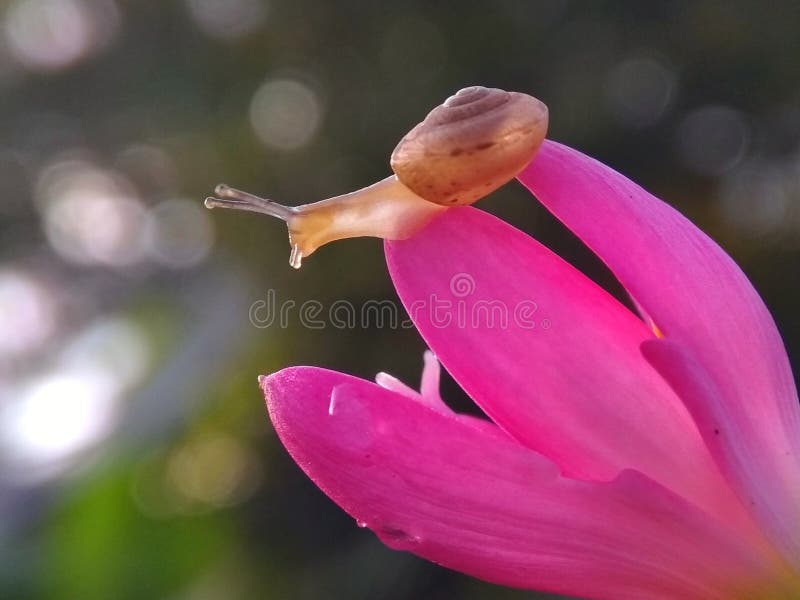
475 142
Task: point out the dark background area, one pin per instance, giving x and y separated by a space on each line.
136 460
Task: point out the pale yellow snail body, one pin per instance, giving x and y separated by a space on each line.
478 140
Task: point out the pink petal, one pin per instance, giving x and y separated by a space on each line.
701 395
479 503
576 391
699 298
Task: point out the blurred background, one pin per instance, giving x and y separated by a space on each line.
136 460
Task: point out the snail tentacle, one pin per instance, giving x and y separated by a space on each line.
237 199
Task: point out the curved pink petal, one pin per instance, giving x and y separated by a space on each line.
568 380
477 502
690 380
699 298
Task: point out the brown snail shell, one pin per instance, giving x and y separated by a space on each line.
475 142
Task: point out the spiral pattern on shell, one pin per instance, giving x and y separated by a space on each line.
477 140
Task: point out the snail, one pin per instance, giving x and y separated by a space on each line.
475 142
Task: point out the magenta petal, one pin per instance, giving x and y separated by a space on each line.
573 387
456 494
776 489
699 298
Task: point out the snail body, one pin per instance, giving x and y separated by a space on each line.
476 141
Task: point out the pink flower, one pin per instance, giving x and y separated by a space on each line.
628 457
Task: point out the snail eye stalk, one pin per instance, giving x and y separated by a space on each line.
236 199
232 198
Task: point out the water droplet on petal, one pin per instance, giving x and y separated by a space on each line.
361 524
398 539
